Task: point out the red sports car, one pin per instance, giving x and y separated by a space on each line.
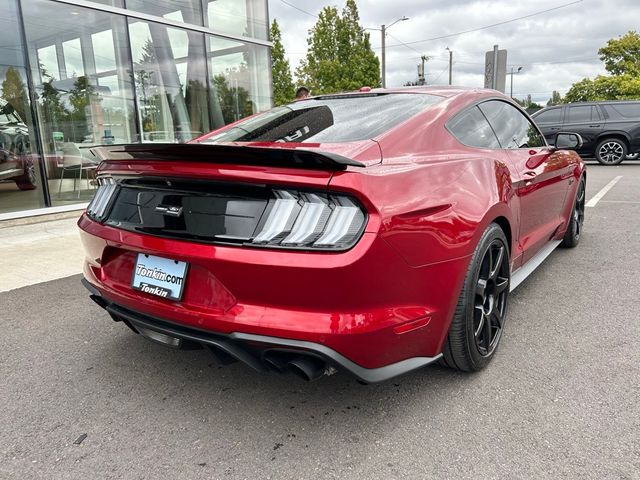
372 232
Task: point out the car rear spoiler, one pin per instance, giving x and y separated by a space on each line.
234 154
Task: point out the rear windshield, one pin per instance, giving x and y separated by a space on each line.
344 118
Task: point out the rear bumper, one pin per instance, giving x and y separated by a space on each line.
250 348
365 308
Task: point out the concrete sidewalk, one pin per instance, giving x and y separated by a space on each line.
39 252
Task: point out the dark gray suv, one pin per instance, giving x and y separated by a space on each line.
610 130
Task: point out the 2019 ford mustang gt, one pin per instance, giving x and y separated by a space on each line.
373 232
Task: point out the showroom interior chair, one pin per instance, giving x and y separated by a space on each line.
74 162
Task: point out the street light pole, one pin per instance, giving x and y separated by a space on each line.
383 30
450 66
384 69
512 73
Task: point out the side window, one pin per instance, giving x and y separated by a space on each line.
513 128
578 114
550 116
595 114
471 128
627 110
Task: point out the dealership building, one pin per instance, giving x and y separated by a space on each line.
75 74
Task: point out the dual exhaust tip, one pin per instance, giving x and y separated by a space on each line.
307 367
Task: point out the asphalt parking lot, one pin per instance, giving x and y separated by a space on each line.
560 400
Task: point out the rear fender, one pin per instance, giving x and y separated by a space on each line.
427 225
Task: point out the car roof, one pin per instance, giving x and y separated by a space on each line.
442 91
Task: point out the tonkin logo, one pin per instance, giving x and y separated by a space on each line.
169 210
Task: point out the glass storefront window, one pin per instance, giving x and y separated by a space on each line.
20 187
72 51
101 78
247 18
240 82
187 11
170 76
82 76
111 3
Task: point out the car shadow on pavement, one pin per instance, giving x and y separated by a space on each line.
166 380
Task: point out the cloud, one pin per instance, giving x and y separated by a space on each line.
555 49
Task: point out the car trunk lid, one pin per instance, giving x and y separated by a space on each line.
211 193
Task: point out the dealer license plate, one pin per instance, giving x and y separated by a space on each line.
159 276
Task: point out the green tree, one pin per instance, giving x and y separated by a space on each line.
55 115
283 91
339 56
81 97
14 92
621 57
143 78
555 99
234 102
615 87
528 103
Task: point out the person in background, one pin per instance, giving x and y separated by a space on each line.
302 92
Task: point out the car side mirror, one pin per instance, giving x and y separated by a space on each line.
568 141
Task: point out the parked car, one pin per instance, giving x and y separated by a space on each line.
16 162
373 233
610 130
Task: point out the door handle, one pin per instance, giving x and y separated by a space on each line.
530 174
595 126
554 128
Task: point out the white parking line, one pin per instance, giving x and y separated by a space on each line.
598 196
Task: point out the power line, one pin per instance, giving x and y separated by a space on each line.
575 60
408 44
402 43
299 9
435 80
487 26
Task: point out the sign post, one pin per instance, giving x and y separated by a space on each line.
495 69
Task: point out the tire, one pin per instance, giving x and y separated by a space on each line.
478 322
574 230
611 151
28 180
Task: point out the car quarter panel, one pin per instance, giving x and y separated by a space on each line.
435 211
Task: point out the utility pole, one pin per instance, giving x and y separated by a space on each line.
421 71
450 66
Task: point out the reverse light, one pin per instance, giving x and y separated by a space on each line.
98 205
311 221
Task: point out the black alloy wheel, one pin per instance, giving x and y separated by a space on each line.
491 298
31 174
479 319
611 151
576 221
29 179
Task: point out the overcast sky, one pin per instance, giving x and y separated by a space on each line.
555 48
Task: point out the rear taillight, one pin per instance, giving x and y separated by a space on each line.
98 206
316 221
